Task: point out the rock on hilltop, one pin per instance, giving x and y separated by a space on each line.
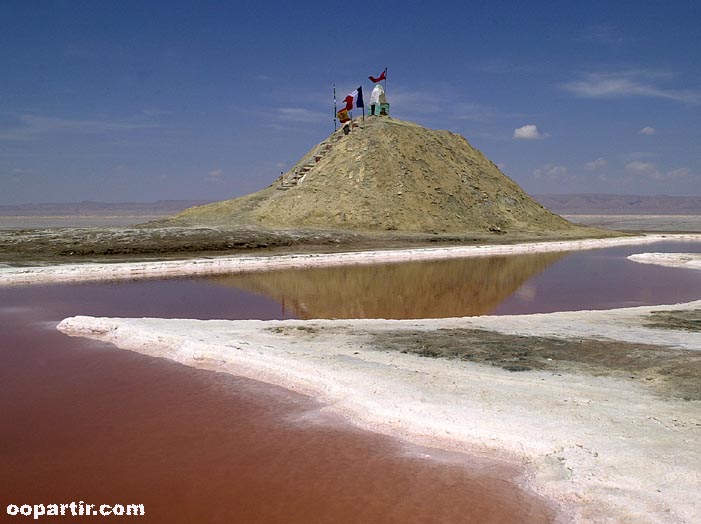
387 175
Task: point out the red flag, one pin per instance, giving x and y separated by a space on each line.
380 78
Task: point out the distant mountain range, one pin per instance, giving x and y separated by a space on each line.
575 204
90 208
597 204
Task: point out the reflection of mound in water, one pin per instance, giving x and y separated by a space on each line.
445 288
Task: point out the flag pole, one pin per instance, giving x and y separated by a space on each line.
385 80
362 100
334 107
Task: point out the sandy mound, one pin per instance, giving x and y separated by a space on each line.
388 175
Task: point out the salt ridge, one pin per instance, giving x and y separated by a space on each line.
607 450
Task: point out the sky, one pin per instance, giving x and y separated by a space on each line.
119 101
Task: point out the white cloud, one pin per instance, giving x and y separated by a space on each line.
647 130
49 124
215 175
32 126
155 112
301 115
420 102
682 172
603 34
499 67
627 84
638 155
474 112
529 132
652 172
480 113
596 164
552 173
641 168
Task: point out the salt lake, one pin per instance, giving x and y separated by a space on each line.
83 420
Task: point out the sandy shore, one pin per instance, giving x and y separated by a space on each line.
606 447
219 265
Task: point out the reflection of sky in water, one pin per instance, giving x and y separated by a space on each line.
605 278
527 292
170 298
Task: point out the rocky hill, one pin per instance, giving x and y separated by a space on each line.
387 175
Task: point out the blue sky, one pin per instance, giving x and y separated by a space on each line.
146 100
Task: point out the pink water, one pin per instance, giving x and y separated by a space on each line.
86 421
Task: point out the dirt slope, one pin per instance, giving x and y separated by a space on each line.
388 175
